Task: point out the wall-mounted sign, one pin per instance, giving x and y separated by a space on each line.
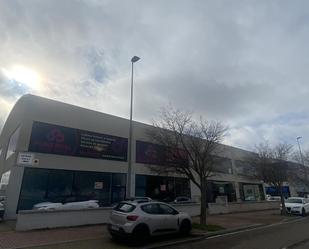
221 190
60 140
98 185
163 187
25 158
149 153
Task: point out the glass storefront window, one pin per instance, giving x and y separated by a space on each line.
251 192
60 185
34 186
118 187
162 188
41 185
217 188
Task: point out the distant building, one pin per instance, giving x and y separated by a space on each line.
52 151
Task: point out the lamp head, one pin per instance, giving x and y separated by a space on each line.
135 59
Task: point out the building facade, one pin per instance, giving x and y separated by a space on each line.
52 151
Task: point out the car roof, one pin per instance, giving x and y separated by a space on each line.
139 202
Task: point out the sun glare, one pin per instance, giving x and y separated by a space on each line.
23 75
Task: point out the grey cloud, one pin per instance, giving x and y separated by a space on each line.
242 62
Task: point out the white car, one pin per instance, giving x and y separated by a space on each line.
66 206
182 199
140 199
273 198
139 220
297 205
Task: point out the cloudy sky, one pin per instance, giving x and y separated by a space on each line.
243 62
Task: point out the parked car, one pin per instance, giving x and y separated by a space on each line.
141 220
273 198
140 199
182 199
296 205
66 206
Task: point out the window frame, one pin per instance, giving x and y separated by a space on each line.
9 153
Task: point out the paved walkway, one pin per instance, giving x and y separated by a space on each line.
96 236
245 219
12 239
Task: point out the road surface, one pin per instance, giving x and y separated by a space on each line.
291 235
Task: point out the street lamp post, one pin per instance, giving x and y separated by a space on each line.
301 156
133 60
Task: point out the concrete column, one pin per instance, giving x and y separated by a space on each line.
238 198
195 192
133 184
12 192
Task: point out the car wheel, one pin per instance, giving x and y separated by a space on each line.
303 212
185 227
141 234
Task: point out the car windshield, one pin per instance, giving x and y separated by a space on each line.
294 200
124 207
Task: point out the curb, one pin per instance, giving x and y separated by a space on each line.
202 236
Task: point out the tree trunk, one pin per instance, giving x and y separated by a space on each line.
283 210
203 215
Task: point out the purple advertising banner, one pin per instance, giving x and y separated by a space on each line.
149 153
60 140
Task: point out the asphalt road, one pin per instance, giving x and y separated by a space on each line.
291 235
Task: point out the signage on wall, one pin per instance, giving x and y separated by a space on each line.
221 190
149 153
162 187
60 140
98 185
25 158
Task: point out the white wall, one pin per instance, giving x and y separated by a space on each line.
33 219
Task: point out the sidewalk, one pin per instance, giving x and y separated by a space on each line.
96 236
230 221
12 239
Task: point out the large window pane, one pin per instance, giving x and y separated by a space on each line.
92 186
244 168
223 189
33 189
222 165
60 184
69 186
161 188
251 192
118 187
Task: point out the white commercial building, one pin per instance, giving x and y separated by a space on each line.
52 151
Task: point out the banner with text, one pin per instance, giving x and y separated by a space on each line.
60 140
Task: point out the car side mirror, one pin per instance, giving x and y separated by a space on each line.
175 212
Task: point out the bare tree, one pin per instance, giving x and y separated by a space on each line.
271 166
190 147
299 170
